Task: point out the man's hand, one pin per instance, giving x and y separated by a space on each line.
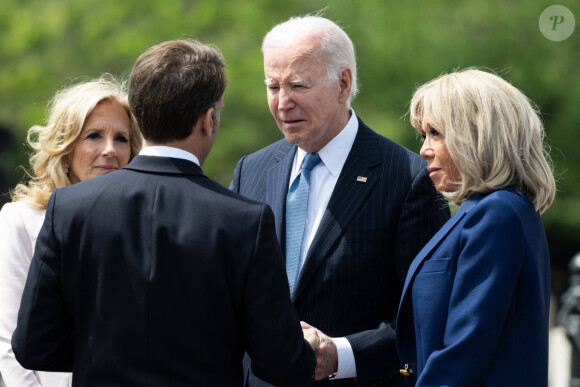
310 335
326 354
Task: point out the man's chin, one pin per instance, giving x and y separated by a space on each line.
293 135
294 140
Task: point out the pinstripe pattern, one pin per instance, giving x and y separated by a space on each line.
353 273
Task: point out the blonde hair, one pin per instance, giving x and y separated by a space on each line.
493 134
51 144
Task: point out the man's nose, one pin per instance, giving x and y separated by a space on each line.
285 101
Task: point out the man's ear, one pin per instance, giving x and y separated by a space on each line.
208 121
345 84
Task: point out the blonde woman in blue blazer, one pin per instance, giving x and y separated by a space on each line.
474 308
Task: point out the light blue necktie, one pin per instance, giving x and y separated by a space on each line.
296 206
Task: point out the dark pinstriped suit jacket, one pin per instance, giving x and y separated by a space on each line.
354 271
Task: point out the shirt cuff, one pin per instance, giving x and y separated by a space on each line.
346 363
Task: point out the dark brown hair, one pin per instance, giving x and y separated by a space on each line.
172 84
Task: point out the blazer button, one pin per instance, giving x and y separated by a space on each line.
407 371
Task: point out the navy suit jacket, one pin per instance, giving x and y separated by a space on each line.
157 276
354 270
474 310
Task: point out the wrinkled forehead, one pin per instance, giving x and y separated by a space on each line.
292 64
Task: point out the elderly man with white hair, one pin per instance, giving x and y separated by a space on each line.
352 207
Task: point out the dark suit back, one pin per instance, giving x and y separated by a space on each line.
373 226
166 279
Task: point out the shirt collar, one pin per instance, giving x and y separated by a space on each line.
334 154
168 151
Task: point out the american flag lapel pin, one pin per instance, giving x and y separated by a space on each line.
361 179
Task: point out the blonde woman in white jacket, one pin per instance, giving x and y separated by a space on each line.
89 132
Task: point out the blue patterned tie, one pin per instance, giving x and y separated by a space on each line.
296 206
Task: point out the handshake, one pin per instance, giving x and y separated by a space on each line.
325 350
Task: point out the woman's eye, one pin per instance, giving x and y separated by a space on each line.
122 139
434 132
94 136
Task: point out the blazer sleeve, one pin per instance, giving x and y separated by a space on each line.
424 212
279 353
488 267
43 336
15 256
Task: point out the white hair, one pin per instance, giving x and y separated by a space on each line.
336 46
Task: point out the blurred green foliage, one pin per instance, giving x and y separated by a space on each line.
47 44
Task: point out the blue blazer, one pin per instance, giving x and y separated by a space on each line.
474 309
155 275
353 274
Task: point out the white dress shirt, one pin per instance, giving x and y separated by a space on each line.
323 179
168 151
19 228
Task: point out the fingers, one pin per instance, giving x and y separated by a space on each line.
311 335
325 350
326 360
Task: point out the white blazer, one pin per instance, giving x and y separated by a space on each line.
19 227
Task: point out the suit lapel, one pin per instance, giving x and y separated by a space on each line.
345 201
435 241
277 186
